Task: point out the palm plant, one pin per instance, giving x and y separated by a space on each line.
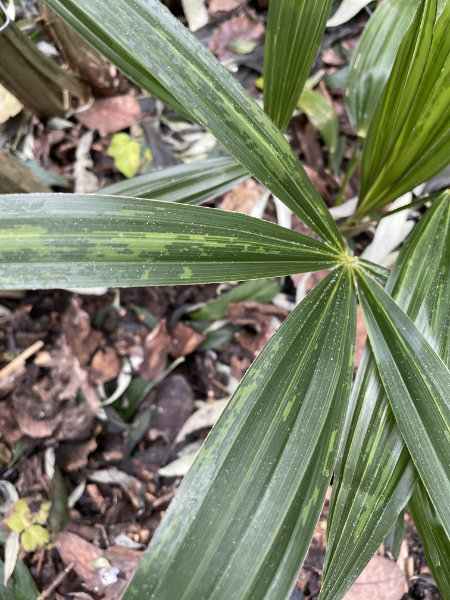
244 516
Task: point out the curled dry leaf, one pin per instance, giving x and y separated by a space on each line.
156 346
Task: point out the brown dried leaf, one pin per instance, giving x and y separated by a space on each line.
156 348
241 28
243 197
225 5
174 403
111 114
72 457
382 578
254 313
76 325
105 365
183 340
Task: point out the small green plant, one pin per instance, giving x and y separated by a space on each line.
30 524
243 518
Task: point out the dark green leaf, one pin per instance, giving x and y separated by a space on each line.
23 586
59 511
408 138
374 58
192 183
144 31
376 474
59 240
294 31
243 518
416 382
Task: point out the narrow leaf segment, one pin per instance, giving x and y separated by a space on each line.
294 31
192 183
374 58
144 31
376 475
408 137
417 384
61 240
243 518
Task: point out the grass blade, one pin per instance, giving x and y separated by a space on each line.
242 520
60 240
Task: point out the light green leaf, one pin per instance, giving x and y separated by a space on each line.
192 183
34 537
243 518
409 134
60 240
376 475
321 114
144 31
416 382
126 153
294 31
373 59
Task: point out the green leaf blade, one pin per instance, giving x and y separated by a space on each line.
182 65
373 59
243 517
408 138
376 475
416 382
294 31
192 183
66 240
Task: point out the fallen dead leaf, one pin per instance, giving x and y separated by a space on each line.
225 5
254 313
109 115
243 197
72 457
156 347
332 58
173 404
240 28
183 340
203 418
105 365
76 325
382 578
